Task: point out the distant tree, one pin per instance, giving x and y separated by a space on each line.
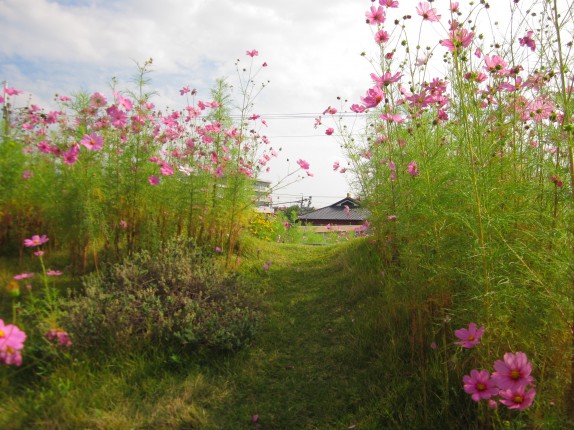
292 212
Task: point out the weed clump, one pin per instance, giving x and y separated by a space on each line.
177 297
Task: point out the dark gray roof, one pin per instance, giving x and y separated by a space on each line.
337 212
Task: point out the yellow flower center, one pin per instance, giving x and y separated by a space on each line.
471 338
2 334
515 374
517 399
480 387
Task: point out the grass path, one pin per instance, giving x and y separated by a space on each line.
299 372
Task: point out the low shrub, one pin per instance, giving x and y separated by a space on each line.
177 297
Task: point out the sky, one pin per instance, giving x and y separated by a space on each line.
312 47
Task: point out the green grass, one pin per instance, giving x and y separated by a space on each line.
338 347
300 371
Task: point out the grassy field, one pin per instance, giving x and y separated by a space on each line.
337 346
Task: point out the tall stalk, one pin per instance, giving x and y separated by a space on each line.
464 116
566 97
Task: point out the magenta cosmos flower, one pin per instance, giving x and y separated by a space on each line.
35 240
428 13
413 170
11 343
513 372
23 276
93 141
51 272
518 398
376 15
153 180
60 336
373 97
479 385
469 337
303 164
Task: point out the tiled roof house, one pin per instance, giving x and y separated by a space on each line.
344 212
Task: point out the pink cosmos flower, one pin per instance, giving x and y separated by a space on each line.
477 77
118 118
64 98
381 37
303 164
458 38
517 398
27 174
51 272
153 180
11 356
23 276
329 131
264 65
10 91
528 41
36 240
71 155
217 249
93 141
386 78
357 108
373 97
428 13
479 385
98 100
336 165
375 15
513 372
252 53
330 110
389 3
44 147
412 169
184 90
469 337
454 7
124 102
496 65
59 335
166 169
538 110
11 343
392 118
39 253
